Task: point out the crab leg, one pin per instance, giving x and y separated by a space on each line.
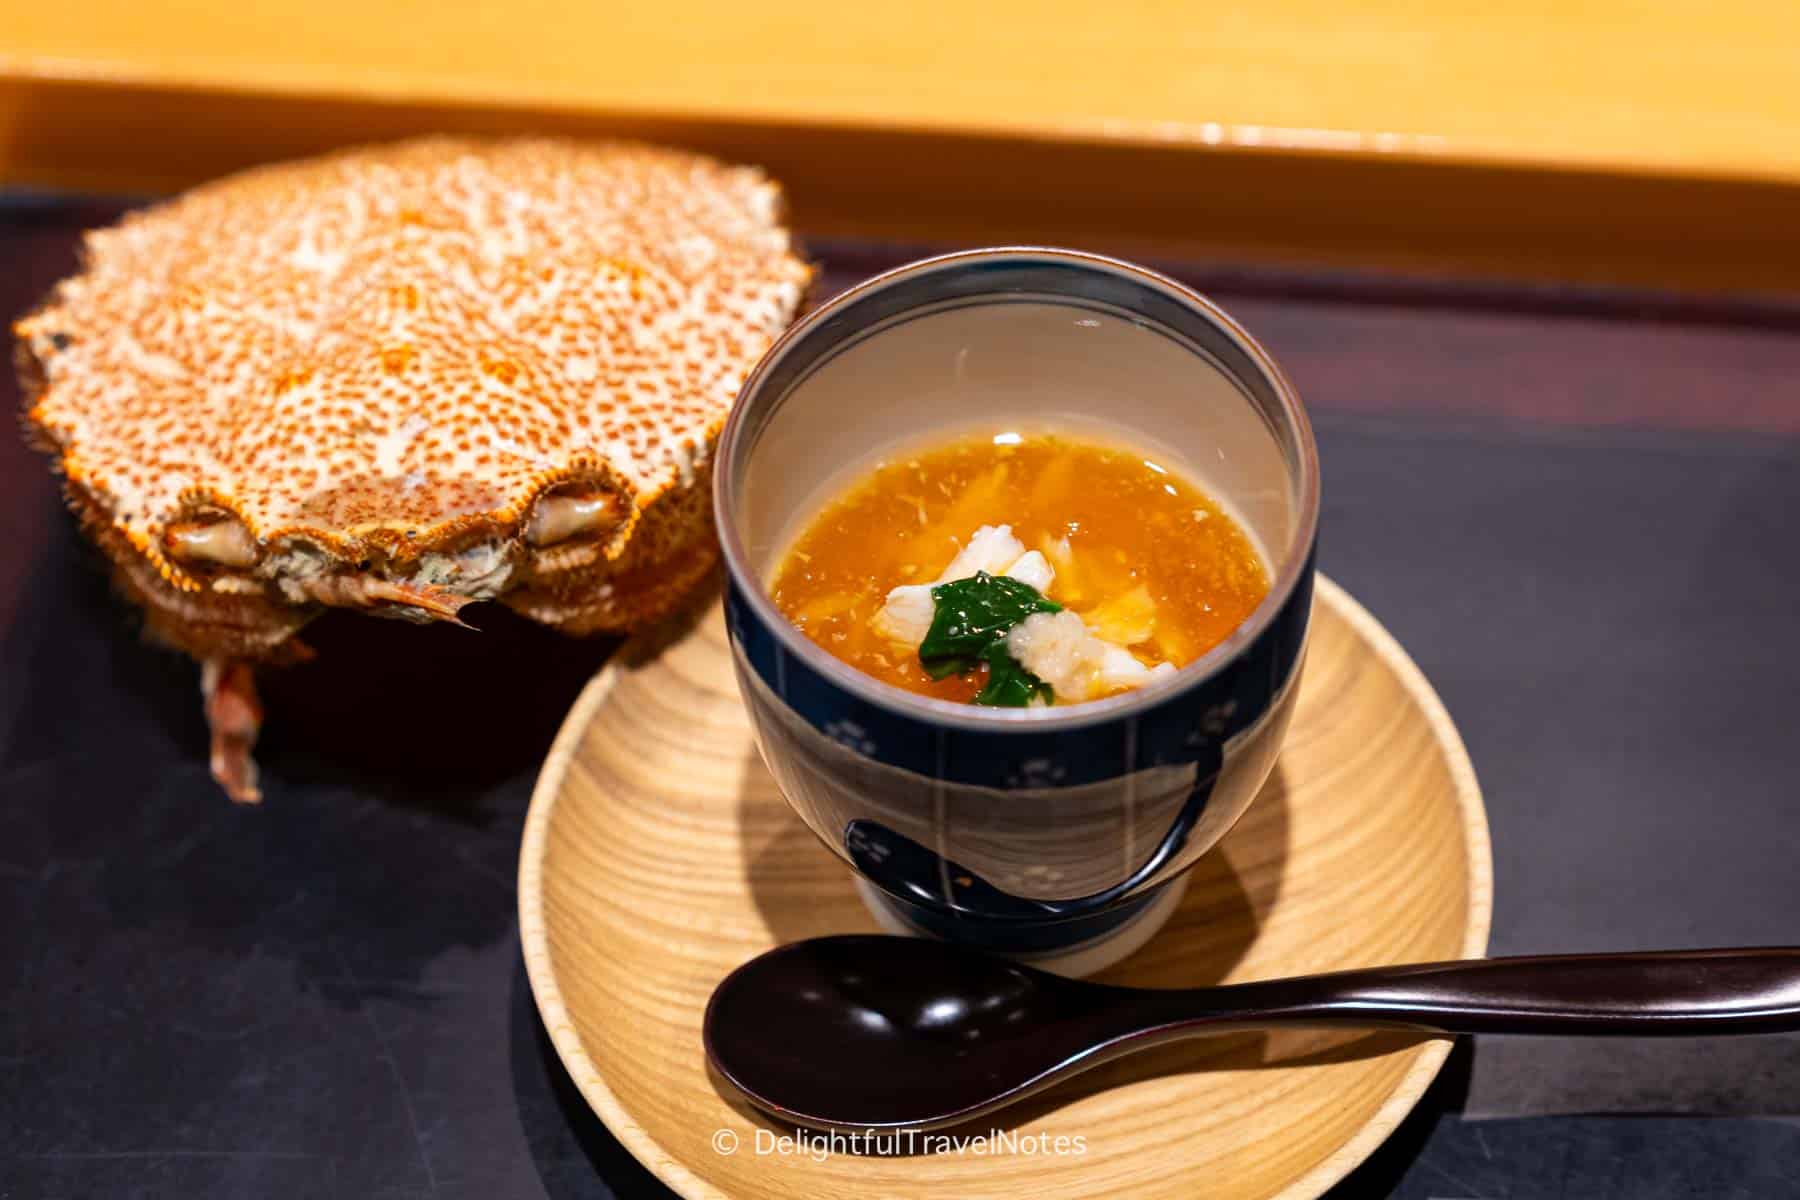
235 715
362 591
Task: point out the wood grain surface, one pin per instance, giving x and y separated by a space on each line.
1662 84
1651 143
658 855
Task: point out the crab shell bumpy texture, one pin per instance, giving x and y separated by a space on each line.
383 363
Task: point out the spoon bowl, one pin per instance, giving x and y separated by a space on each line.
911 1030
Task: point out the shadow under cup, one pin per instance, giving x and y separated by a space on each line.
1033 831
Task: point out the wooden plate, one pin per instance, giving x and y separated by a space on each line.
658 855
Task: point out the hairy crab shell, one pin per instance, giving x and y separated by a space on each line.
405 378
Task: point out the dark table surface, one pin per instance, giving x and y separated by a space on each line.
1577 511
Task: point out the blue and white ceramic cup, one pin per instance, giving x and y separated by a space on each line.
1061 834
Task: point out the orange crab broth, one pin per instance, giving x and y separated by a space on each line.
1135 528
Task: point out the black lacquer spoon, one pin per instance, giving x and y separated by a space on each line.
887 1033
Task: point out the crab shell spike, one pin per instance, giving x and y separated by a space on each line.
558 518
221 540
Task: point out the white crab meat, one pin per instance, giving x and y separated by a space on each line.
906 616
993 548
1033 568
1120 669
1076 657
1058 648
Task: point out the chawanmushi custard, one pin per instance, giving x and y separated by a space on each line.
1017 568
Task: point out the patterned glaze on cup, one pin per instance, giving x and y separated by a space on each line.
1024 830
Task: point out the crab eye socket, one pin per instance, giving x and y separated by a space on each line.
558 518
214 538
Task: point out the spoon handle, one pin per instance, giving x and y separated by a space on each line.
1677 993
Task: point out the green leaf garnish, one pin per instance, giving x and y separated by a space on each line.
1009 684
969 624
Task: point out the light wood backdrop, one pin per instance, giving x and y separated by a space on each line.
1657 141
